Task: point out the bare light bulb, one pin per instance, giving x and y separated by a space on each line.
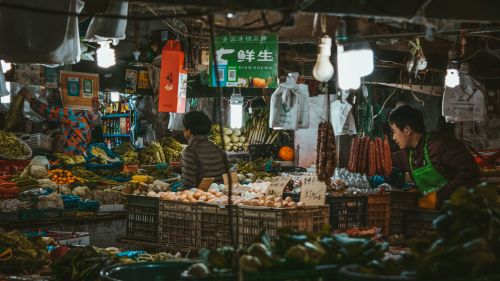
452 78
6 66
105 55
323 69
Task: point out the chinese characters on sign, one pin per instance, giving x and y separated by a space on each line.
246 61
313 192
278 185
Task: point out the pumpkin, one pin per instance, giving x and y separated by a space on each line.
286 153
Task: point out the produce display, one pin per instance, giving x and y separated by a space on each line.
257 169
85 263
12 205
63 177
172 149
146 185
20 254
291 250
67 160
467 238
99 156
370 156
325 157
12 147
257 129
152 154
234 140
127 153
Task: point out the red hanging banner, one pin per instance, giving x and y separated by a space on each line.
173 79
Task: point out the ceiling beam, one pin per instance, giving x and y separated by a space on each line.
441 10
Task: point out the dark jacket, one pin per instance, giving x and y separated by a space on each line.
201 159
448 156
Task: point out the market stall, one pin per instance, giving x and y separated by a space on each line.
200 144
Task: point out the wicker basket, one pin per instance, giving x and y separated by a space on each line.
24 157
38 141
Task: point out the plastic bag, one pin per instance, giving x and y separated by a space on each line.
465 102
29 37
109 28
284 113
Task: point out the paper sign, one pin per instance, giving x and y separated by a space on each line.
205 183
278 185
313 192
234 179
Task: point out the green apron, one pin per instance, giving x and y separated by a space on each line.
427 178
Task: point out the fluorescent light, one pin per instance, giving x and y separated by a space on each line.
105 55
236 111
6 66
115 97
352 65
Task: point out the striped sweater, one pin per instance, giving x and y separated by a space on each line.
201 159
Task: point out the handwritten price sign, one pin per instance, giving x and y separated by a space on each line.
278 185
313 192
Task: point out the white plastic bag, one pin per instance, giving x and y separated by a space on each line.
465 102
101 28
29 37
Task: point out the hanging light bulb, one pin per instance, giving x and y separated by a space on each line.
236 111
105 55
452 78
6 66
323 69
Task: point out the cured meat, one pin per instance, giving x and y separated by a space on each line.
325 158
372 166
377 158
387 158
352 155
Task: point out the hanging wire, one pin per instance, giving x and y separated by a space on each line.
221 128
390 96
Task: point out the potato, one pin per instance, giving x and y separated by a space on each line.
269 204
202 198
185 200
270 198
193 200
278 205
197 195
285 204
254 202
288 199
218 194
262 202
292 205
278 200
301 204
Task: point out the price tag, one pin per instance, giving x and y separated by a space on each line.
234 179
278 185
313 192
205 183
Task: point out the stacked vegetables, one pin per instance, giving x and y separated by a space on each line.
63 177
67 160
127 153
12 148
234 140
20 254
171 148
258 131
370 156
8 189
152 154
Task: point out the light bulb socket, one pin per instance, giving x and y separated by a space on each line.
236 99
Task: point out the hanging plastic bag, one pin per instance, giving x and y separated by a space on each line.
175 121
29 37
109 28
465 102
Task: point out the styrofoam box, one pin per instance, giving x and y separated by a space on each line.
82 239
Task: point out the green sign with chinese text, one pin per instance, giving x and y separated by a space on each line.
247 61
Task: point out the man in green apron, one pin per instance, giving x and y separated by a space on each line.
438 163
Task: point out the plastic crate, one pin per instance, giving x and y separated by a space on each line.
39 214
295 196
11 216
347 211
142 218
179 224
214 223
252 220
379 211
417 221
400 201
314 218
263 151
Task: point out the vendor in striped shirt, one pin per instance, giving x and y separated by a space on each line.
201 158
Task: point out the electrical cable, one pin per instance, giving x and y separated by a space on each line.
277 24
390 96
221 129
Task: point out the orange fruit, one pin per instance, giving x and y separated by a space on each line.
286 153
